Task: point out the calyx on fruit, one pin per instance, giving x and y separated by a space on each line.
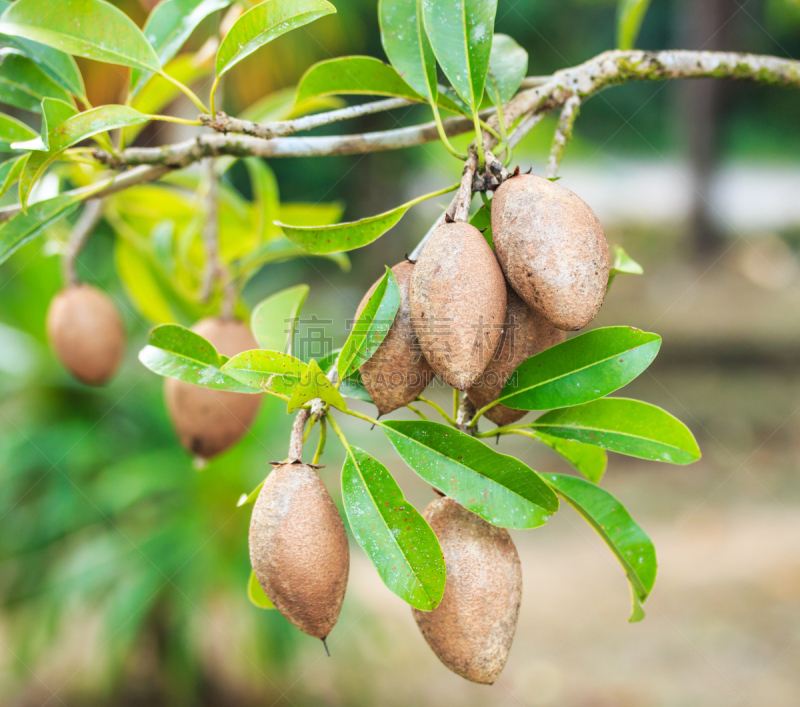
86 332
397 372
551 248
472 628
210 421
298 548
458 303
526 333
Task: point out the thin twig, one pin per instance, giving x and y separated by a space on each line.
562 135
223 123
459 208
80 234
527 124
466 411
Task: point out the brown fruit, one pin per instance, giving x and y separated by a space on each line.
526 333
397 372
86 332
551 248
298 548
209 421
472 628
458 303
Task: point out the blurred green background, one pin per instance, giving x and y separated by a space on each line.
123 568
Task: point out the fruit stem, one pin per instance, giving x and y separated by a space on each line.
466 411
296 440
438 409
323 434
80 234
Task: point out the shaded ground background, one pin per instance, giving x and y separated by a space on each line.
122 569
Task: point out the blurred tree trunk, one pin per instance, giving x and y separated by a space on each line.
702 25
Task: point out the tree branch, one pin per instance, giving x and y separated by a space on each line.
563 135
80 234
608 69
225 124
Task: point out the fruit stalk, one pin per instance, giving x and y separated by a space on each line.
213 267
296 440
80 234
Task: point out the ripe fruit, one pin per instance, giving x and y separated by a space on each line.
397 372
86 332
298 548
472 628
209 421
526 333
551 248
458 303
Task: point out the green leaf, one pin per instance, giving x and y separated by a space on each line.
280 250
256 594
263 23
268 370
588 460
266 196
355 234
247 499
580 369
361 75
500 489
274 319
634 550
25 226
10 171
74 129
13 130
623 265
140 284
350 387
461 33
59 66
177 352
398 540
94 29
482 220
630 16
305 214
314 384
508 64
371 327
407 45
169 25
23 84
625 426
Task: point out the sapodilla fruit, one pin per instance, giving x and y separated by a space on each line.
472 628
209 421
458 303
551 248
298 548
397 372
526 333
86 332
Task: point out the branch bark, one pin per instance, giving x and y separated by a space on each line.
549 93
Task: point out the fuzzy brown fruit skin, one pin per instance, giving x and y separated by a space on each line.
209 421
552 249
86 332
472 628
397 372
298 548
525 334
458 303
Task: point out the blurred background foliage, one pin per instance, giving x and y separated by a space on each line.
123 569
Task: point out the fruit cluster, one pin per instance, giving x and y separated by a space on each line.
475 315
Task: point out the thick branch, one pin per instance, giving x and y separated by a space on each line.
608 69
